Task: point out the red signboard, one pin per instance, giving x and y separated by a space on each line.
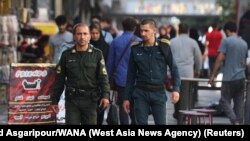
29 98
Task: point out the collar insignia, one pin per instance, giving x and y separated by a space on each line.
73 51
90 50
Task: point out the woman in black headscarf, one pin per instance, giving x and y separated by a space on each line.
97 39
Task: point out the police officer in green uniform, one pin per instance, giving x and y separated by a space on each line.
146 76
82 71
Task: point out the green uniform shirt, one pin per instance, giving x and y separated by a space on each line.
81 70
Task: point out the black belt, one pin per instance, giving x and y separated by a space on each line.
76 91
150 87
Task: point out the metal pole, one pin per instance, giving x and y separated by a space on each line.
184 98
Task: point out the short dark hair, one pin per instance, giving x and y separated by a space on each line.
215 25
60 20
79 25
95 25
106 19
148 21
95 17
129 24
231 26
183 28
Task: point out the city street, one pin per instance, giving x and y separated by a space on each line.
205 98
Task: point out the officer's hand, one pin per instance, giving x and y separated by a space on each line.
126 106
55 108
175 97
104 103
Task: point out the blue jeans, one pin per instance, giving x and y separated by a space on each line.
123 116
233 90
144 100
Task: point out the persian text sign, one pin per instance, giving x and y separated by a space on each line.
29 98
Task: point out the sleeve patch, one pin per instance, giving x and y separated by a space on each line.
58 70
104 71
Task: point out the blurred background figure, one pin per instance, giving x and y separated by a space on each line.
171 31
163 34
57 40
105 26
187 55
35 53
232 58
117 64
194 34
98 41
213 40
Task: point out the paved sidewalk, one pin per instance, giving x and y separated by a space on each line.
3 114
205 98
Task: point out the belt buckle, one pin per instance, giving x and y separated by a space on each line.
72 91
81 91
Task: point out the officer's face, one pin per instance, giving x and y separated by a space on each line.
147 32
82 35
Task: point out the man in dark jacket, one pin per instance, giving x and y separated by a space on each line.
146 77
82 70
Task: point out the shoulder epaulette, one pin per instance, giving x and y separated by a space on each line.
95 49
165 41
135 44
92 48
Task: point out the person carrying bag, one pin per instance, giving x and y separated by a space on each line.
113 118
112 83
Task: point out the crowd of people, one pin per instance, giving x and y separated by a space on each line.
88 57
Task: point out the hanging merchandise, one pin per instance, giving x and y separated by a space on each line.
8 31
5 5
8 44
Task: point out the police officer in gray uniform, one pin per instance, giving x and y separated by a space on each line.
146 77
82 70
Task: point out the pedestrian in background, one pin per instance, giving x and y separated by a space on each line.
57 40
213 40
187 55
98 41
146 77
100 20
82 70
232 57
117 64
